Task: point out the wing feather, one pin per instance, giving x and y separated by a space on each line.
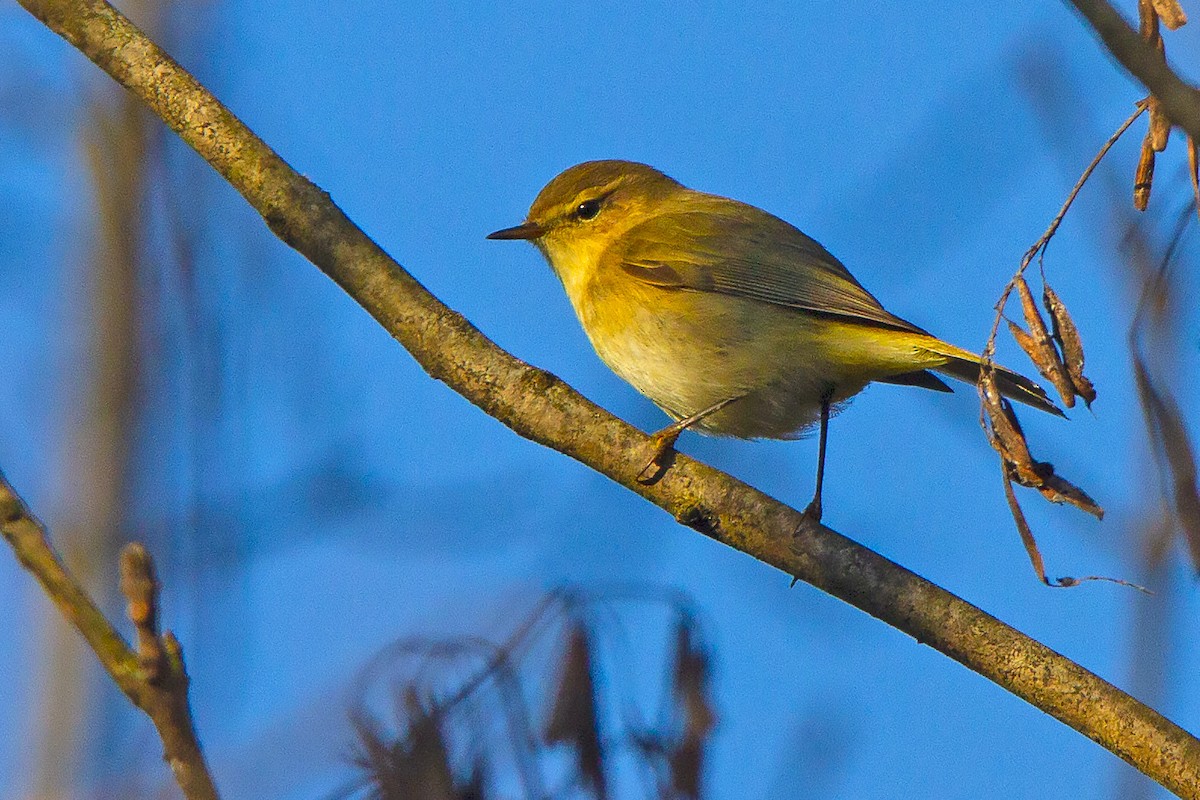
736 249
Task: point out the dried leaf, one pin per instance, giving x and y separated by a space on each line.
1047 362
691 679
1069 344
1006 435
1035 555
574 718
1058 489
412 766
1038 345
1160 126
1169 434
1031 548
1144 177
1023 339
1171 13
1019 465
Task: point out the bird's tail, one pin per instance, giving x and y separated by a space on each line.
965 365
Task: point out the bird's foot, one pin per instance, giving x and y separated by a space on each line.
813 512
809 518
662 446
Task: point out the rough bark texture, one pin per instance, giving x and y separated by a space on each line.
541 407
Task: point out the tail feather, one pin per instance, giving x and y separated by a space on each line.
923 378
1010 384
916 348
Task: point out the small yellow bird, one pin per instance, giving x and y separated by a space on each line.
731 320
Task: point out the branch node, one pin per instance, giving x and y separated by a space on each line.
139 585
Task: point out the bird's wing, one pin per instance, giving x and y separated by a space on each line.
736 249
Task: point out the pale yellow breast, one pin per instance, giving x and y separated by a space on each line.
689 350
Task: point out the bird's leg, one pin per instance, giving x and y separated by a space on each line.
813 511
663 441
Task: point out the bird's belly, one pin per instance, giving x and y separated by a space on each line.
697 350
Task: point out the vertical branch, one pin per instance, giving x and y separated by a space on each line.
100 444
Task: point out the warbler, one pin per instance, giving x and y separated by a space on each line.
728 318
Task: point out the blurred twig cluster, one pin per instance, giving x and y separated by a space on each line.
454 719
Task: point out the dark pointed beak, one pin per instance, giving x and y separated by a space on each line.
526 230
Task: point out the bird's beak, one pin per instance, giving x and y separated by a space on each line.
526 230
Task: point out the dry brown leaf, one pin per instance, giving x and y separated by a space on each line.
1047 362
1058 489
1171 13
1006 435
1031 548
1035 555
574 718
1160 127
1038 345
691 674
1144 177
1019 465
1069 344
1169 434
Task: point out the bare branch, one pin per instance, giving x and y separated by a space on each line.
541 407
157 682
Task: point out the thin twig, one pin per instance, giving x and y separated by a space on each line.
1040 245
541 407
161 690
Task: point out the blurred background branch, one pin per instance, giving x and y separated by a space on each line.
1145 61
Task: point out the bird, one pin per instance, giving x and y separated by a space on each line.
728 318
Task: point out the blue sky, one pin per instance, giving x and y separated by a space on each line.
910 143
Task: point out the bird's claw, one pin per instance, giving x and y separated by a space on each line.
662 446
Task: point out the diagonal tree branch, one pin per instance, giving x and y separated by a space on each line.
539 406
1144 61
154 678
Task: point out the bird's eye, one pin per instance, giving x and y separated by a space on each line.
588 209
